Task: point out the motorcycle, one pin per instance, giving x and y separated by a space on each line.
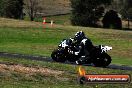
98 55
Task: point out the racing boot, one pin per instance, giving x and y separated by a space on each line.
83 60
80 61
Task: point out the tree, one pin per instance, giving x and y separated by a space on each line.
11 8
123 7
1 7
112 20
126 11
87 12
32 7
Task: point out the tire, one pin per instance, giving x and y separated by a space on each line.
103 61
72 58
97 62
81 80
106 59
57 56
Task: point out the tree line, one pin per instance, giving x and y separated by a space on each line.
124 7
84 12
15 8
89 12
11 8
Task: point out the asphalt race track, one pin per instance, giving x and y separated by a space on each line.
49 59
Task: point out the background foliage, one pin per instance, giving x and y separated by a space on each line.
11 8
87 12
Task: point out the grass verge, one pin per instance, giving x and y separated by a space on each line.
17 79
42 41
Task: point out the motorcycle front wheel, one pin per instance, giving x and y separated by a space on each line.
58 56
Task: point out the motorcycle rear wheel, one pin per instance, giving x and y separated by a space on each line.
106 59
103 61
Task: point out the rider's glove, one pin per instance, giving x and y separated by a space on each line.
76 53
71 52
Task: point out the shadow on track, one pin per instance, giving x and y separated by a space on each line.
49 59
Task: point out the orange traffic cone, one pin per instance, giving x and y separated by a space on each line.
44 20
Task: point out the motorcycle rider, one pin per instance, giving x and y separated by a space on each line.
84 45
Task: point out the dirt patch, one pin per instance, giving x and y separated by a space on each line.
29 70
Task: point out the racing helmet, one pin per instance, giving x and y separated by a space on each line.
79 36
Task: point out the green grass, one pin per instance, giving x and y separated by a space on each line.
62 19
15 79
42 41
30 38
30 41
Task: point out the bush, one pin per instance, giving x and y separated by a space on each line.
11 8
130 13
112 20
87 12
